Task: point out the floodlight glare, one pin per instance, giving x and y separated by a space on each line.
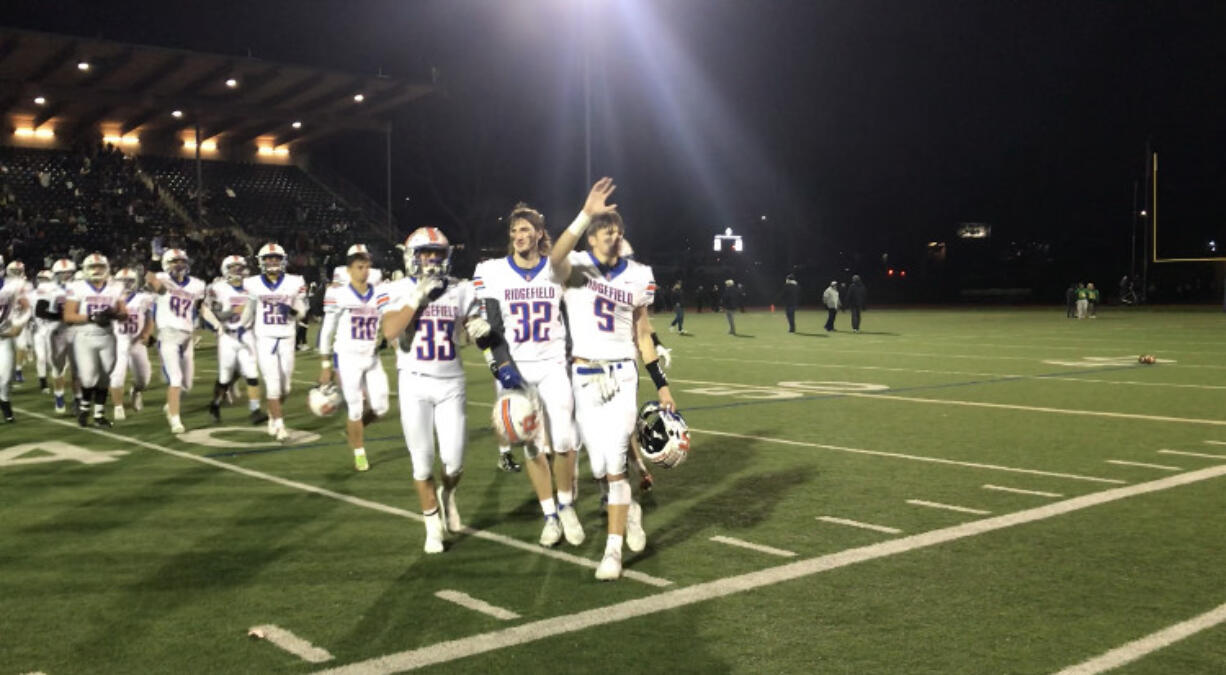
177 114
231 83
358 98
39 100
296 125
83 66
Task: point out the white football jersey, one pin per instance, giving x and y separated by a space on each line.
230 298
530 302
600 306
353 317
271 320
11 291
435 350
92 299
340 275
178 306
54 294
140 306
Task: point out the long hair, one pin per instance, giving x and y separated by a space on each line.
524 212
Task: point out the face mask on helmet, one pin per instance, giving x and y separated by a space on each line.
97 271
128 279
429 261
235 271
272 263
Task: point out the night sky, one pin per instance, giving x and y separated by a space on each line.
865 125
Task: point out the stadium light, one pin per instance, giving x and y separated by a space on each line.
358 98
83 66
296 124
39 100
114 139
177 114
205 146
231 83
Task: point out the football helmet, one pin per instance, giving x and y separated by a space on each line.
516 418
271 258
63 270
44 276
357 249
175 263
664 437
96 267
15 269
324 400
424 240
234 268
127 277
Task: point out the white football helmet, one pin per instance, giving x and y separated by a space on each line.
271 258
44 276
175 263
424 240
96 267
357 249
15 268
234 268
64 270
324 400
516 417
664 437
127 277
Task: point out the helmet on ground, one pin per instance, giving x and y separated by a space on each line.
324 400
664 437
234 268
423 241
516 418
96 267
271 258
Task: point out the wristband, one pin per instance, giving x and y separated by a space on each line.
657 375
655 339
579 225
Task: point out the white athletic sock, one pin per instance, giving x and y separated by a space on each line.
548 507
613 544
504 449
253 405
565 498
359 452
174 420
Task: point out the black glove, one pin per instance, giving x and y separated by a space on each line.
103 318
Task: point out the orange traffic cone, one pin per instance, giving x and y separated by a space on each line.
772 309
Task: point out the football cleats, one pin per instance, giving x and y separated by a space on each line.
664 437
427 242
96 267
63 270
234 268
15 269
127 277
324 400
175 263
516 417
271 258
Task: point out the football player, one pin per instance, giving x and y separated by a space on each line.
178 304
422 314
607 299
275 301
14 314
22 342
225 300
131 343
348 340
57 337
93 305
42 284
521 299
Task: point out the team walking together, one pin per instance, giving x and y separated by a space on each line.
562 331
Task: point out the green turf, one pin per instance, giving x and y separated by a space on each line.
157 563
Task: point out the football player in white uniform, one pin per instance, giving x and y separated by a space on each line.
521 299
348 340
225 301
57 337
23 342
14 314
276 300
42 283
131 343
178 304
93 305
607 299
340 273
422 315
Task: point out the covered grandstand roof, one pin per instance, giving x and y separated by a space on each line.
80 83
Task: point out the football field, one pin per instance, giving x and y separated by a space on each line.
970 491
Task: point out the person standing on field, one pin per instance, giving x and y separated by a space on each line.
830 298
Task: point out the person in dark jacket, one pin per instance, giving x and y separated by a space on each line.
1070 301
729 303
678 299
791 297
857 299
700 297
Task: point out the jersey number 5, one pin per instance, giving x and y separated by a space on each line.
604 314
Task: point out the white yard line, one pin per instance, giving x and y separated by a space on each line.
1216 442
355 501
543 629
731 541
856 523
469 602
1191 454
1124 462
947 507
291 643
1019 491
1134 650
915 458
